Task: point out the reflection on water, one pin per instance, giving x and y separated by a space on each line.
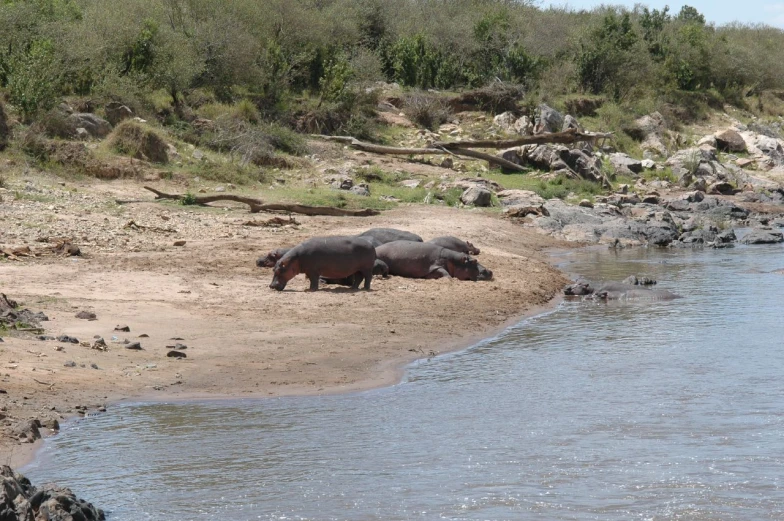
655 410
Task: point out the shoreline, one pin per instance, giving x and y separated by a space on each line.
245 341
30 452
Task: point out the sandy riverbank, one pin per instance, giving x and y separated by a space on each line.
243 338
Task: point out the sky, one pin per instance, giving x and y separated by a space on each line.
770 12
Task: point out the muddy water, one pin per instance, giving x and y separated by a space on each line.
635 410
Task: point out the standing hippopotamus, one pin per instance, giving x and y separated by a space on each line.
329 257
379 236
453 243
269 260
379 268
423 260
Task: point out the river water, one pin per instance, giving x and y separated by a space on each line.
635 410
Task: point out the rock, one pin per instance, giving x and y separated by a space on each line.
27 429
649 130
625 164
651 199
519 198
81 134
523 126
4 132
648 164
67 339
197 154
96 127
136 346
763 236
86 315
730 140
411 183
722 188
361 189
447 162
176 354
477 196
122 327
585 203
116 112
743 162
70 363
571 122
179 243
548 120
505 121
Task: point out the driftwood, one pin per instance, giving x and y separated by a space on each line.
435 150
565 137
256 205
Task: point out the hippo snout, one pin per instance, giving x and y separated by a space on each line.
260 262
277 286
485 274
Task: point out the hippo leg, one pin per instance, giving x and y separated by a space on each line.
368 274
437 273
314 281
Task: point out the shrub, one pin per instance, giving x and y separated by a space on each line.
134 139
427 110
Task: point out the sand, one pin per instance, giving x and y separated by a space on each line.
243 339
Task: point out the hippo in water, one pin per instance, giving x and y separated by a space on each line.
422 260
453 243
329 257
618 291
269 260
379 236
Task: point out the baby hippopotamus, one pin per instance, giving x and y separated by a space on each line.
453 243
328 257
269 260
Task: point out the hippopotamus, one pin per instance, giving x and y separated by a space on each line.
379 236
329 257
633 280
618 291
453 243
379 268
269 260
423 260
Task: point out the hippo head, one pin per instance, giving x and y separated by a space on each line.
472 250
285 269
465 268
578 288
381 268
269 260
484 273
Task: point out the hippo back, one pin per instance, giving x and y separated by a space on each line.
453 243
379 236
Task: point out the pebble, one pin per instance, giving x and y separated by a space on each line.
134 345
70 363
176 354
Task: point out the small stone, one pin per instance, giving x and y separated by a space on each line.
176 354
179 243
144 335
70 363
136 346
45 337
585 203
94 365
86 315
67 339
220 189
59 348
122 327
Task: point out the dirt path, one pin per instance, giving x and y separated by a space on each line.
243 339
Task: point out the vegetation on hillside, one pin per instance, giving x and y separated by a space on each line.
256 70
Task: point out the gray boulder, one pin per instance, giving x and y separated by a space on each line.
477 196
624 164
116 112
96 127
548 120
763 236
730 140
505 121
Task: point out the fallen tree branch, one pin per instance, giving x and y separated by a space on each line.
256 205
452 151
565 137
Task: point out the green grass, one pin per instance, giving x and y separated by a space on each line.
558 188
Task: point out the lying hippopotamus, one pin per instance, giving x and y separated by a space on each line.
423 260
617 291
453 243
329 257
269 260
379 236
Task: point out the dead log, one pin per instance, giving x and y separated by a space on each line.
256 205
565 137
403 151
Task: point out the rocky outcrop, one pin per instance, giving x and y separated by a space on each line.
625 165
763 236
477 196
117 112
548 120
21 501
730 140
93 126
650 130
